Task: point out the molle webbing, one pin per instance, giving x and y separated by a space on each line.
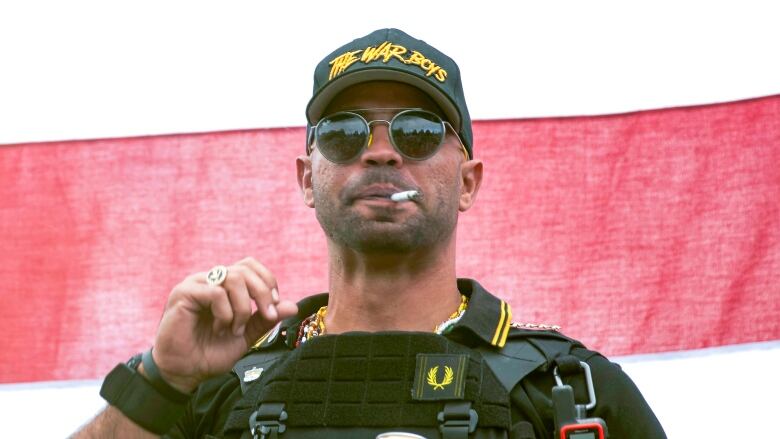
366 380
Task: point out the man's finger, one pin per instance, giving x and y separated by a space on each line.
258 325
262 295
213 298
240 299
265 274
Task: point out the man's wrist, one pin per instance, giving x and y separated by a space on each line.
140 400
179 385
172 390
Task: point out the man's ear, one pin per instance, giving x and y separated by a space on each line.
303 164
471 179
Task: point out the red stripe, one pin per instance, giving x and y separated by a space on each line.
644 232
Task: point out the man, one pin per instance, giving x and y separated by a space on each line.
399 343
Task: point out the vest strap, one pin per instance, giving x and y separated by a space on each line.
568 365
457 420
267 422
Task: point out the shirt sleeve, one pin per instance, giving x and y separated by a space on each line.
206 412
621 404
618 401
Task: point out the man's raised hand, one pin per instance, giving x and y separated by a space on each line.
205 329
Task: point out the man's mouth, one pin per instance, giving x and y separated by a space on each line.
376 193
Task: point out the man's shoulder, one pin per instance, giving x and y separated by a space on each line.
544 347
549 337
549 340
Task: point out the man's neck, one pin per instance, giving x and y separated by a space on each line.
391 292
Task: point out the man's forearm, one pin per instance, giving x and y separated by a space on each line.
111 423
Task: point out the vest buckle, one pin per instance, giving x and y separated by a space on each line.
267 422
457 420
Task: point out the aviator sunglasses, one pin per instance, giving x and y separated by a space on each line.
415 133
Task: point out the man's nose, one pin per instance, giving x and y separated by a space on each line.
380 150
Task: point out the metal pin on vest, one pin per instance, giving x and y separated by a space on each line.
406 196
399 435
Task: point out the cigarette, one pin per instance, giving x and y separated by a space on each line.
405 196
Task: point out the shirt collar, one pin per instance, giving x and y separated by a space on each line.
487 318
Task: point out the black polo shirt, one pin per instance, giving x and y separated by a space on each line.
486 322
487 319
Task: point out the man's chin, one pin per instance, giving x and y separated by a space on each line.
384 237
379 236
383 247
382 234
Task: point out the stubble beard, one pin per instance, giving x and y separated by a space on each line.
432 225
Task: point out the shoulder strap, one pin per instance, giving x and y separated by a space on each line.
524 352
514 362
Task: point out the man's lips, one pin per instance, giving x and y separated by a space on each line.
376 193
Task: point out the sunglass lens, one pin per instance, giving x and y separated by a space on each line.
417 134
341 137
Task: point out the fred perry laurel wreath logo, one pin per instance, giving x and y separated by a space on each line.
385 52
439 377
448 377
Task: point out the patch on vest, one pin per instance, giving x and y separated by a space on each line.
252 374
439 377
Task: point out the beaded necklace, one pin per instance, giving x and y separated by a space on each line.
314 325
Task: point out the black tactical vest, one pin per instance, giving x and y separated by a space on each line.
359 385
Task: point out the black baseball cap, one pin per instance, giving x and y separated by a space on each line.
393 55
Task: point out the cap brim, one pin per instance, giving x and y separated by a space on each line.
320 101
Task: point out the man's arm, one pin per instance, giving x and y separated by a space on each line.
112 423
618 401
204 330
621 403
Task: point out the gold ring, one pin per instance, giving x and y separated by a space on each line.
217 275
